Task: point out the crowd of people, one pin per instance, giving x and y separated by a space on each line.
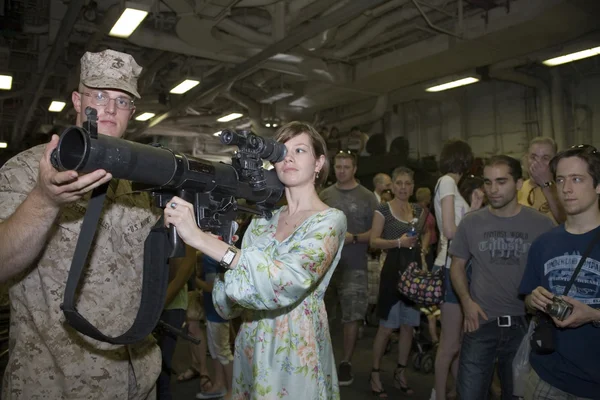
506 248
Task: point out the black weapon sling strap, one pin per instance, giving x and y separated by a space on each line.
154 281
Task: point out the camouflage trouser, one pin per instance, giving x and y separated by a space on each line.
349 289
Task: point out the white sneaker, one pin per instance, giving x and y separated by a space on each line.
432 397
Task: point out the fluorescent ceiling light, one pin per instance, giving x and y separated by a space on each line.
572 57
454 84
230 117
145 116
57 106
217 133
5 82
128 22
3 145
268 125
184 86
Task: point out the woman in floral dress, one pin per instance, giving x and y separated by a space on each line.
278 279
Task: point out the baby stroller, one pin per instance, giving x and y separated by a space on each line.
424 349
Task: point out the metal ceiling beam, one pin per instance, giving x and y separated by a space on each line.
39 80
293 39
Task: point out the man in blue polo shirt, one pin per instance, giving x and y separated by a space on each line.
572 371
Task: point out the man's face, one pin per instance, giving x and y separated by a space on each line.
500 187
575 186
112 119
540 152
385 184
344 170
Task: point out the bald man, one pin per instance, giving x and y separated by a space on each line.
381 182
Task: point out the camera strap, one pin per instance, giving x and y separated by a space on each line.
154 281
585 255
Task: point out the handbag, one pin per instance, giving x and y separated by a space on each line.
422 287
543 340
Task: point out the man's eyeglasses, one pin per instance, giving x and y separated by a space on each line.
101 98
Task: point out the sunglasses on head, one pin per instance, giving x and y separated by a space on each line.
586 148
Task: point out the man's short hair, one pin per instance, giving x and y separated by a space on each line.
456 157
378 178
343 155
543 140
422 193
587 153
513 165
354 128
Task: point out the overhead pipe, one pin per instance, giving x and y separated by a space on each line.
254 110
244 32
372 115
256 3
301 11
38 83
362 37
432 25
543 93
192 39
293 39
558 109
193 120
154 39
326 36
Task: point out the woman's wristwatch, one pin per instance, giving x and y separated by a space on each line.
228 257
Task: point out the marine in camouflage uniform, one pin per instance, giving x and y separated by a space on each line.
48 358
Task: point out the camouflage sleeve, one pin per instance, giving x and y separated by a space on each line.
17 179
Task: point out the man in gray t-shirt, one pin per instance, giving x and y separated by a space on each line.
348 284
496 239
498 248
358 203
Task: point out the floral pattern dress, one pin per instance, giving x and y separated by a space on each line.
283 349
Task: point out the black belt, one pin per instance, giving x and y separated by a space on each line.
506 321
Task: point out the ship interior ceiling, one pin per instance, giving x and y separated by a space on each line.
330 62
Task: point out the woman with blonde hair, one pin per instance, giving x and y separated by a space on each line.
278 279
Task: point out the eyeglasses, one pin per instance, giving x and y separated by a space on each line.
101 98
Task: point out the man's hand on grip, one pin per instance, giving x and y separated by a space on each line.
62 187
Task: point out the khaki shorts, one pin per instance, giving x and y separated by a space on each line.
195 310
219 346
349 289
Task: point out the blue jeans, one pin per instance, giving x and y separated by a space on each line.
167 342
478 355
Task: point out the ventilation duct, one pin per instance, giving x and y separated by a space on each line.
372 115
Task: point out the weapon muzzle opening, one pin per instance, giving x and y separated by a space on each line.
73 149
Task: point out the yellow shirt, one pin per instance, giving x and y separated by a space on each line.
532 196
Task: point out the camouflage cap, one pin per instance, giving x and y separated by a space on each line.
110 69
